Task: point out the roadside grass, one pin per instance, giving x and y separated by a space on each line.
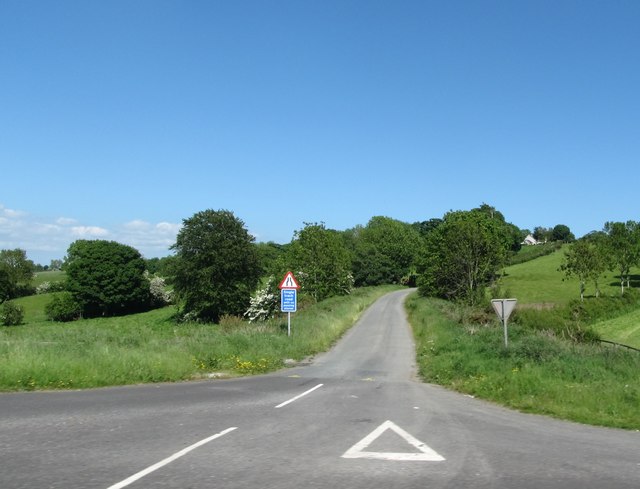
538 373
152 347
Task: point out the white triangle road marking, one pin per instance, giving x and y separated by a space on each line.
425 454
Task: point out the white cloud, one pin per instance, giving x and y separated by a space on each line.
168 227
137 224
47 239
93 231
11 213
66 221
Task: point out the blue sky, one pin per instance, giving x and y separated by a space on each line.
121 118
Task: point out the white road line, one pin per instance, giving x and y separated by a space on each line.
298 396
168 460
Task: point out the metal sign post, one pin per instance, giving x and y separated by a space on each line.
289 297
288 304
504 308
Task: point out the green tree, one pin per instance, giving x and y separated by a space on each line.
561 232
16 273
463 255
321 261
623 248
216 266
106 278
385 251
542 234
584 260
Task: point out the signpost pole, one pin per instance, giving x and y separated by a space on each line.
504 308
288 324
506 335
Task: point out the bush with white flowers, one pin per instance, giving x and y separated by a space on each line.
264 303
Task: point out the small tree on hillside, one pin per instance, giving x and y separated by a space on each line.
216 266
623 247
584 260
106 278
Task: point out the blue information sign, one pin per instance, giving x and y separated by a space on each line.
288 300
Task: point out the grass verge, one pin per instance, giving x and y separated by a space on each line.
151 347
538 373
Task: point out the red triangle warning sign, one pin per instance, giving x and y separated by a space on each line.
289 282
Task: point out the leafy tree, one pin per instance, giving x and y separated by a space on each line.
270 256
385 252
106 278
542 234
425 227
16 273
321 261
463 255
216 266
623 247
561 232
584 260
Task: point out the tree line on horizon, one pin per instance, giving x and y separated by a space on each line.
218 269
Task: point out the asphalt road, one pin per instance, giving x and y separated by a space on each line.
355 418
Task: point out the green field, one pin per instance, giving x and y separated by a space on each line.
152 347
539 281
49 276
624 329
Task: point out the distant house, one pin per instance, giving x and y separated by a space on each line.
530 240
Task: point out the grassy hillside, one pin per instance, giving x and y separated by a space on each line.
540 282
624 329
49 276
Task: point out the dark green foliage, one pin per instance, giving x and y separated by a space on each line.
270 257
159 266
16 273
63 307
561 232
463 255
11 313
385 251
321 261
106 278
216 266
425 227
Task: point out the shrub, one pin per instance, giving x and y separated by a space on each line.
48 287
11 314
159 295
264 303
63 307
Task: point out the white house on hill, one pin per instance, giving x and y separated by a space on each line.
530 240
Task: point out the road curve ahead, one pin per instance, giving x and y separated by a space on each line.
355 418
